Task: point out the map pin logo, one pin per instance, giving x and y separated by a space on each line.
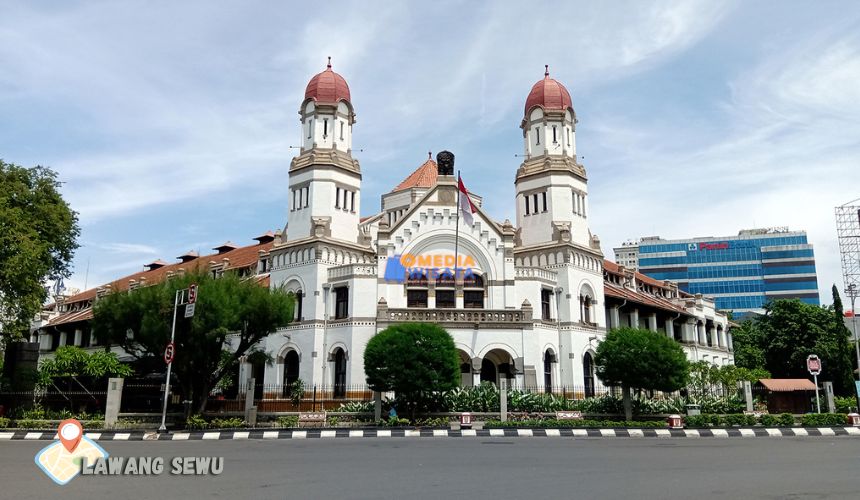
70 433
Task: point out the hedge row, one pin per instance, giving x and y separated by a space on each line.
564 424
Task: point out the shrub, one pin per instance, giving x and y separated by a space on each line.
739 419
823 419
786 419
551 423
331 421
845 405
355 407
768 420
394 422
226 423
288 421
433 422
196 422
4 422
27 423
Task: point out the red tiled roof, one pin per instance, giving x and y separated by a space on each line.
238 258
327 87
425 176
72 317
548 94
787 384
620 292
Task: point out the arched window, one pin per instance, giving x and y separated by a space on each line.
588 374
291 371
473 291
548 360
339 359
585 308
416 289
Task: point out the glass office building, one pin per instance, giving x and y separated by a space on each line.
741 272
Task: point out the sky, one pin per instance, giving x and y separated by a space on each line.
171 123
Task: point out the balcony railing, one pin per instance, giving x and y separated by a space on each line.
350 270
501 318
535 272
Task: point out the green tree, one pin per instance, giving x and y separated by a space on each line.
843 370
231 315
640 359
38 233
789 331
74 362
413 360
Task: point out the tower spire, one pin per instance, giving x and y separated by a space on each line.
328 66
545 73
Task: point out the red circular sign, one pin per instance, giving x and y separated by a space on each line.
169 352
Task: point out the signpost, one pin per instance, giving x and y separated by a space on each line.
170 349
813 364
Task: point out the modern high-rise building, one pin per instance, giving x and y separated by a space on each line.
741 272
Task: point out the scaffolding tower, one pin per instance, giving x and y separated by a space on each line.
848 232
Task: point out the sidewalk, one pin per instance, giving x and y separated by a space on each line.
751 432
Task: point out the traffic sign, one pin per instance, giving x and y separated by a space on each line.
813 364
189 310
169 352
192 294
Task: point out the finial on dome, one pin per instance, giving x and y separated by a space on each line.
429 155
545 73
329 63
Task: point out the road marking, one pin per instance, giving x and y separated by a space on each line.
440 432
241 435
853 431
211 435
328 434
181 436
270 435
663 433
800 432
635 433
609 433
95 436
774 433
692 433
6 435
553 433
300 434
386 434
720 433
468 433
412 433
497 432
747 433
356 434
826 431
122 436
525 433
580 433
33 435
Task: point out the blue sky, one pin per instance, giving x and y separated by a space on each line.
171 124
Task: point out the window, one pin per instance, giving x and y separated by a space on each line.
568 136
588 372
535 201
416 298
548 360
291 372
345 194
526 197
310 128
341 302
339 359
352 201
336 197
341 130
543 198
445 299
554 140
299 297
325 128
537 135
585 308
545 298
293 206
305 196
473 293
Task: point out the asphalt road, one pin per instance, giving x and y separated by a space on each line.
499 468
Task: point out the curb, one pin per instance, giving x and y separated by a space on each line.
443 433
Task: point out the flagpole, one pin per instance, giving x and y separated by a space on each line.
457 231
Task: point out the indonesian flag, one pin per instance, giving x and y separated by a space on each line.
466 206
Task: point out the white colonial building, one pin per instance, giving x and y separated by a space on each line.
535 301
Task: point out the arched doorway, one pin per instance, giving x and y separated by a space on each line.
339 373
466 379
291 371
497 364
488 371
588 374
548 360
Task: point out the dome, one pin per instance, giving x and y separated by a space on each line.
328 87
548 94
